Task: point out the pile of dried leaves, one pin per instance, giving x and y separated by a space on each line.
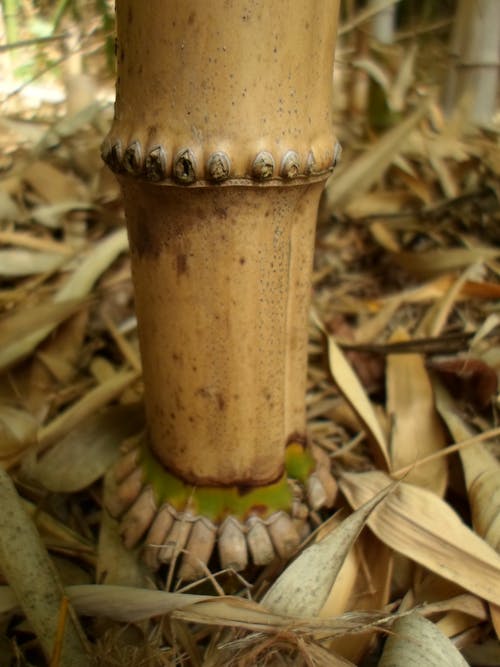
405 353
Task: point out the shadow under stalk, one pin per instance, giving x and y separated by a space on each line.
222 141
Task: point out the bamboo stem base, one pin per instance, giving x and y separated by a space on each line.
176 522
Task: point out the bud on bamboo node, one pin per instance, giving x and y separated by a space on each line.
290 165
263 166
310 164
132 160
218 166
112 154
185 167
155 167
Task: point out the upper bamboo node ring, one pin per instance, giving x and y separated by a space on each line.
158 164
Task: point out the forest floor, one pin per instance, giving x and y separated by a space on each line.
404 361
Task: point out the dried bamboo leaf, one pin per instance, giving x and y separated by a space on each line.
420 525
34 580
481 470
56 533
87 451
431 262
367 169
103 254
348 383
416 429
124 603
22 330
94 400
302 589
363 583
17 431
417 641
52 215
15 346
52 184
19 262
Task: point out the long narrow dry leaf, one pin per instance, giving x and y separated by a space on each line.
432 262
366 14
78 286
417 641
17 431
367 169
96 399
436 317
29 571
350 386
88 449
421 526
363 583
19 262
416 429
124 603
57 534
303 588
20 331
481 470
103 254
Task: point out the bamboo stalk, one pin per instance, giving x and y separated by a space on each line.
222 141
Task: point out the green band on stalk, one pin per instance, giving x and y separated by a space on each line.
218 503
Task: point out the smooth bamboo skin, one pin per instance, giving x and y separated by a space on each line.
222 139
222 283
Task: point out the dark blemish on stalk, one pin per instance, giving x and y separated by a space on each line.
129 15
176 357
221 213
191 18
221 402
242 260
182 265
201 213
143 240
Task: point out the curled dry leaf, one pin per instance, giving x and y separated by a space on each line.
18 262
416 429
350 386
471 380
417 641
86 452
432 262
34 580
363 583
421 526
23 329
481 470
368 168
17 431
304 586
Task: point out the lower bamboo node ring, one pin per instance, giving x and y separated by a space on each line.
177 522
